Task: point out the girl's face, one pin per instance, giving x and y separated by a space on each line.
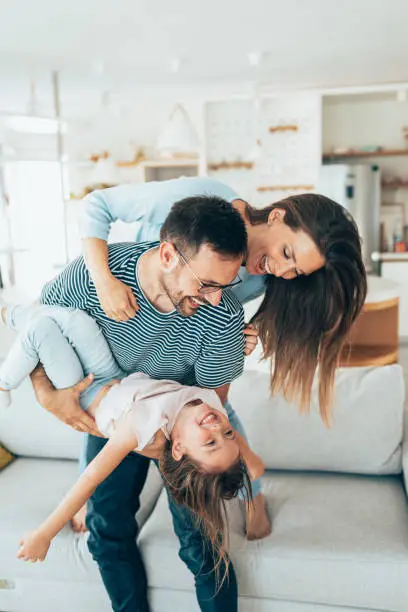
205 434
274 248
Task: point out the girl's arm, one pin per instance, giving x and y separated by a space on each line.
34 546
254 463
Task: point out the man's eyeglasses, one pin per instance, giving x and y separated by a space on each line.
205 288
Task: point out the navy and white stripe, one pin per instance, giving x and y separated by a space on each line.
205 349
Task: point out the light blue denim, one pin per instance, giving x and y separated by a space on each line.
70 345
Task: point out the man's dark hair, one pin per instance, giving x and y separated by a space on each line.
200 220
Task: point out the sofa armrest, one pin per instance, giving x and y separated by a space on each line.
405 445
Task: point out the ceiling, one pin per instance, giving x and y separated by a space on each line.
120 43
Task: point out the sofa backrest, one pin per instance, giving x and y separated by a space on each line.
365 437
28 430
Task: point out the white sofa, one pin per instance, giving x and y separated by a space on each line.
336 498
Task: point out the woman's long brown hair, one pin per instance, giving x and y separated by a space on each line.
205 493
303 323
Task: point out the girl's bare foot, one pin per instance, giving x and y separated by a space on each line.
258 524
78 521
2 313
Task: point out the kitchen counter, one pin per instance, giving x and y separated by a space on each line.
394 257
381 289
373 340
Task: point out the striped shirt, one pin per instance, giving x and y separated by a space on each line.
205 349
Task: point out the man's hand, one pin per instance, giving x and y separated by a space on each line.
64 403
116 299
33 547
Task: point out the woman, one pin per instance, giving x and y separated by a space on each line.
307 239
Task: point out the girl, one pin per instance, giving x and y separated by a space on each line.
202 459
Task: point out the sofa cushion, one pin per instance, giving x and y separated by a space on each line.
163 600
337 540
365 436
30 431
29 490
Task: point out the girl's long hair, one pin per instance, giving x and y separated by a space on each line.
303 323
205 494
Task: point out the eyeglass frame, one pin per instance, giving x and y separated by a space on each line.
207 287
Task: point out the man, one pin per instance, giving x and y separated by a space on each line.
186 330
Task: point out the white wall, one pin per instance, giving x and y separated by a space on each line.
357 121
373 120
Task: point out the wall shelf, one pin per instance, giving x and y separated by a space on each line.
159 163
274 129
363 154
231 166
285 188
394 184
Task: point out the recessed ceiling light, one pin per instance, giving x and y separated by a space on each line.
33 121
98 68
175 65
255 58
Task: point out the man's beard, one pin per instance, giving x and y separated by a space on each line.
184 307
182 303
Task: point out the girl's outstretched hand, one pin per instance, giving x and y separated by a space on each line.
33 547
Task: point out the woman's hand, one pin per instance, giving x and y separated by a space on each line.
34 547
116 299
251 339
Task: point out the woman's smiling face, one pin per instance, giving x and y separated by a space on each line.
274 248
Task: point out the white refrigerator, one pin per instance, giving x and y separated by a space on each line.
358 189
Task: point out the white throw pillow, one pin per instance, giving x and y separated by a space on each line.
365 436
28 430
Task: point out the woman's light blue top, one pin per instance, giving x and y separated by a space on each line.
149 204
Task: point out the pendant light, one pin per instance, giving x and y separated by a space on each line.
32 122
179 135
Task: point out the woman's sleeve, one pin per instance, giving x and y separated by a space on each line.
144 202
128 203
